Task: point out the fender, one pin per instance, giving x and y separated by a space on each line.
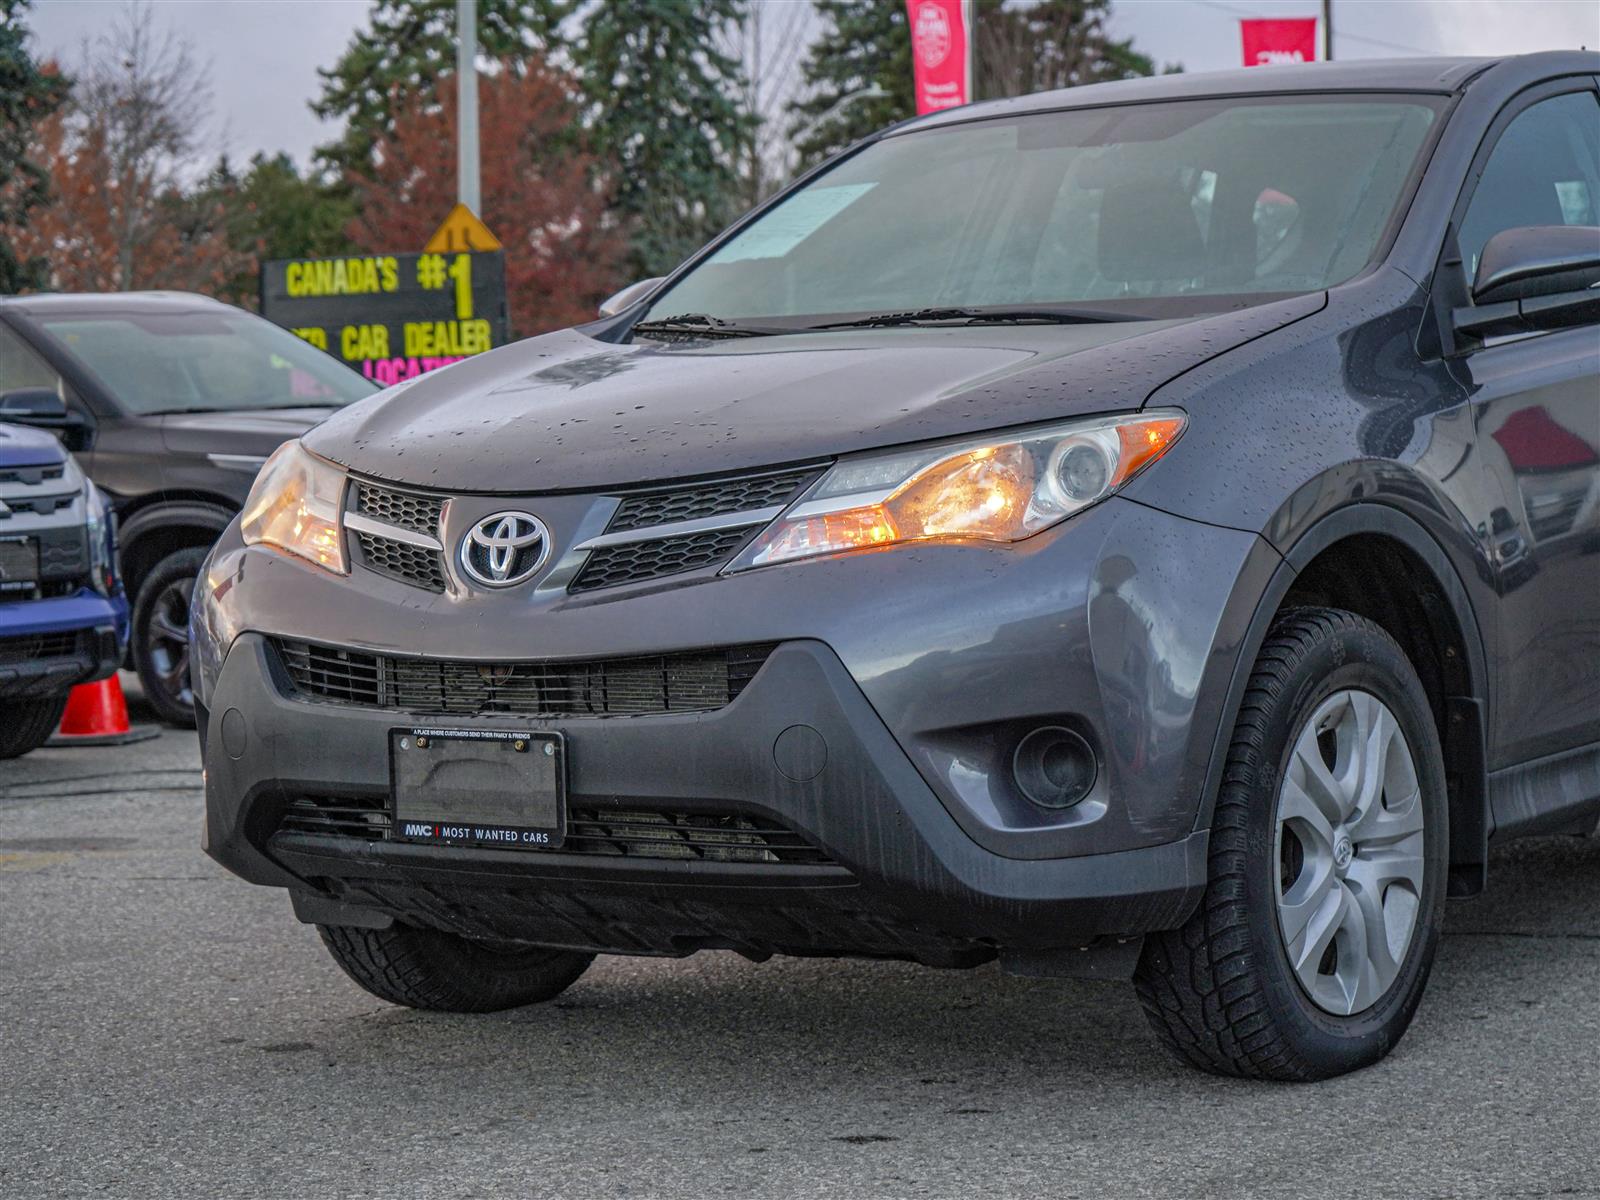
1466 715
176 514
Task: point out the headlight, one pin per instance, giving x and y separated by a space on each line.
295 505
994 489
102 547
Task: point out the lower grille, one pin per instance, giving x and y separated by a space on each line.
635 561
417 565
665 683
635 833
32 647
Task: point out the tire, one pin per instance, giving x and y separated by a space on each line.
1222 991
442 972
161 635
27 724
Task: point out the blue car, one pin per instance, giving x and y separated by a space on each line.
63 615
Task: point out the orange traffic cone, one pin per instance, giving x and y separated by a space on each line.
97 715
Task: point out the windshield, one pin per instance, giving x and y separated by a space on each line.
1160 210
204 361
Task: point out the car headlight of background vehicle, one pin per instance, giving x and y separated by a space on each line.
998 489
99 524
294 505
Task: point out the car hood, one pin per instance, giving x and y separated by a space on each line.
255 432
566 412
23 447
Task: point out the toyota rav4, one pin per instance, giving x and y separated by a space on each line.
1151 530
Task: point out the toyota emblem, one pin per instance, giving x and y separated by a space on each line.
505 549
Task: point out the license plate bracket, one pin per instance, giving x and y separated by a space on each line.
478 787
19 564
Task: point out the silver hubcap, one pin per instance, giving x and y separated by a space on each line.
1350 853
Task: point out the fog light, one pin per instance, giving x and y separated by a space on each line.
1054 767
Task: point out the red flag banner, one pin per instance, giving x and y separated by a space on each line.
939 58
1270 43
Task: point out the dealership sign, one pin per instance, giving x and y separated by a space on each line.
941 52
391 316
1272 42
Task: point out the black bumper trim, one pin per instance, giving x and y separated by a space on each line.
921 886
96 658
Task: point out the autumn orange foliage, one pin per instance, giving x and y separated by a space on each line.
110 229
544 196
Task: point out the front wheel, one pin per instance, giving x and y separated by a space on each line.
161 635
1309 952
427 968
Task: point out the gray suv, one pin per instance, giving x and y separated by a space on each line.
1150 530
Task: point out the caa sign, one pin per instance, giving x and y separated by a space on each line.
1271 43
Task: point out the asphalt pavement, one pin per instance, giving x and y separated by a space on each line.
167 1030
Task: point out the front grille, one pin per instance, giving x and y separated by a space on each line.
705 500
691 682
1551 516
32 476
408 510
613 565
39 506
634 833
420 566
32 647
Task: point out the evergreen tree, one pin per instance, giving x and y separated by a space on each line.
27 95
1017 49
410 44
665 107
864 43
272 211
1048 45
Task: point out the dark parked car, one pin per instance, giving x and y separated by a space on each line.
171 403
1151 529
63 617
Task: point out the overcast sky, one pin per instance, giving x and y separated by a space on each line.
264 54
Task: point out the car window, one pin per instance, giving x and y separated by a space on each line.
1544 170
203 361
21 366
1161 209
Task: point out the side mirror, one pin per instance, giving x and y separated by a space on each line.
1536 278
43 408
33 405
629 296
1538 260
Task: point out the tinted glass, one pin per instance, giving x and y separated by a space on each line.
1544 170
193 362
1196 205
20 367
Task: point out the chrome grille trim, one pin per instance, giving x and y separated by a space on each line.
363 524
653 533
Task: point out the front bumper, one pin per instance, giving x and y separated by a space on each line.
901 877
49 646
919 668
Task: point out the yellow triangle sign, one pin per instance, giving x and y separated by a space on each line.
461 231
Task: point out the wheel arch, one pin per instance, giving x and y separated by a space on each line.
157 529
1428 612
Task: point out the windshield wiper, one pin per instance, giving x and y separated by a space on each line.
703 325
981 316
